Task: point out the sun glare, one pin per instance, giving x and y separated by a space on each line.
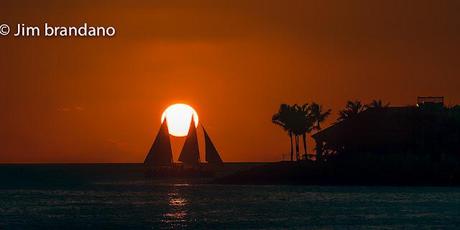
179 117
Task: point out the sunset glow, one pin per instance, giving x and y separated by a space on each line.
179 117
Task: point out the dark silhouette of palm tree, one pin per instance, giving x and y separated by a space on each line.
318 115
295 119
352 108
377 104
304 125
312 115
285 118
299 120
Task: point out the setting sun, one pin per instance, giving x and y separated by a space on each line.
179 117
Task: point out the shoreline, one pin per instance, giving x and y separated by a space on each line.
330 174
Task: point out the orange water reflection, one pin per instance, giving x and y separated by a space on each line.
177 213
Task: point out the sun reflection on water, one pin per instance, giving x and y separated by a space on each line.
177 213
176 201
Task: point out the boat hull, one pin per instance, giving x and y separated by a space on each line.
178 172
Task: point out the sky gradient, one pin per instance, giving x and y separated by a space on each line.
100 99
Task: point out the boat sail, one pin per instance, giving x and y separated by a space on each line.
190 154
211 154
160 153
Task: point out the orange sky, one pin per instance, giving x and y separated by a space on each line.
100 99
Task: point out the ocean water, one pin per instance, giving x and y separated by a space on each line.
117 196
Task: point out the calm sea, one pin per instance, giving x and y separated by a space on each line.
117 196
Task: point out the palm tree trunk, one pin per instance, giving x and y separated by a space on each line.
304 137
297 147
292 147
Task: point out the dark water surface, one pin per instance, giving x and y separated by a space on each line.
117 196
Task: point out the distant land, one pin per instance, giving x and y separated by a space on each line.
310 173
374 144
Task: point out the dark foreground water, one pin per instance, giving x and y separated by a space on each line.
117 196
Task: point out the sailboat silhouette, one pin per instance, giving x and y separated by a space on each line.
190 154
160 153
159 160
211 156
